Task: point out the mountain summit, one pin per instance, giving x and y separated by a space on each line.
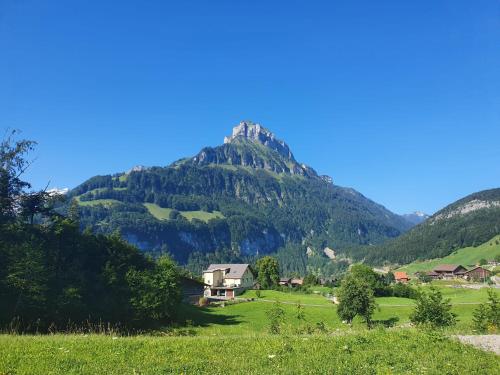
230 203
247 130
252 146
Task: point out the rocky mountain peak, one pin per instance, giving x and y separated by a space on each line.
248 130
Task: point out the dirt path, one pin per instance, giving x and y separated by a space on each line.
483 342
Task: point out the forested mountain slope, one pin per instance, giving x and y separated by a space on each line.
246 197
470 221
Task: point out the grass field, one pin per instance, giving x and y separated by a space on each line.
234 339
250 317
375 352
163 213
315 299
467 256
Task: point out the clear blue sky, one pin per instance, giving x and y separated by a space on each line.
399 100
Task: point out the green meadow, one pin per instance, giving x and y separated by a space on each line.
163 213
233 337
467 256
375 352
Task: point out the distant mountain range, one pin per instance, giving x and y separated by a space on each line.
469 221
416 217
245 197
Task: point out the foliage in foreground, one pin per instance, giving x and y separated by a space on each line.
53 277
375 352
487 315
432 310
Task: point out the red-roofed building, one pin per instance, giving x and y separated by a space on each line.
401 277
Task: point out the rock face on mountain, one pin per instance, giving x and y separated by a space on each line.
245 197
251 145
247 130
469 221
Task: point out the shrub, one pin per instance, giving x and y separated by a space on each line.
203 302
404 291
487 316
276 315
431 309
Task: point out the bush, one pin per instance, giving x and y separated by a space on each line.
432 310
276 315
404 291
203 302
487 316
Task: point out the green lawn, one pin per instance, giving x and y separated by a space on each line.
163 213
313 299
235 339
375 352
467 256
250 317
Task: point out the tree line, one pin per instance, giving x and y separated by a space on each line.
53 277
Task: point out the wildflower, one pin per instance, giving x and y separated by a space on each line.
271 356
115 338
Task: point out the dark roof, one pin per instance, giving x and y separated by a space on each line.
285 279
447 268
475 268
432 273
235 271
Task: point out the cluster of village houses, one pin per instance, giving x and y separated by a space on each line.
447 272
226 281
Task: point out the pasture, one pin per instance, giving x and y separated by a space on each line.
467 257
374 352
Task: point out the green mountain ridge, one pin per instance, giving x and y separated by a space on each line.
467 257
467 222
244 198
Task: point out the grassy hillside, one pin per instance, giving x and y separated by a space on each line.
363 353
468 222
466 256
163 213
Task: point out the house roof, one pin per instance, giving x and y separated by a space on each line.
234 271
400 275
285 279
478 267
432 273
297 281
447 267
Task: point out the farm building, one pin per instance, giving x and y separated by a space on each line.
450 271
284 281
478 273
401 277
225 281
296 282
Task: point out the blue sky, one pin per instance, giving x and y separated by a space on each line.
399 100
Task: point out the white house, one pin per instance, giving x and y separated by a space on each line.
227 280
